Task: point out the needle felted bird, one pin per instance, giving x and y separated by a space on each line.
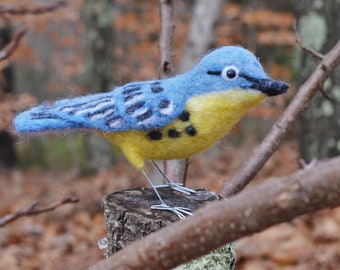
165 119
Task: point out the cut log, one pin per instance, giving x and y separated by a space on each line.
128 215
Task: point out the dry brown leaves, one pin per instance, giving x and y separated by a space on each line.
9 105
67 237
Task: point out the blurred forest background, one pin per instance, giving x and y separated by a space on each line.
88 46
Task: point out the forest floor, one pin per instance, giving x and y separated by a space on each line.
66 238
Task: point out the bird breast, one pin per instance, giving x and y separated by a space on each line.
205 120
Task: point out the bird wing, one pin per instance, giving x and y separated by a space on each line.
140 105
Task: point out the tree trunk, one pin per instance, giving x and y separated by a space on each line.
204 18
319 128
128 218
99 21
202 35
8 156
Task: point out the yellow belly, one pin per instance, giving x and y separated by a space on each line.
208 117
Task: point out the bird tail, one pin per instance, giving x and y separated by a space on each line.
65 114
43 118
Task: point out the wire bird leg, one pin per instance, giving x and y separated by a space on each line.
176 186
181 212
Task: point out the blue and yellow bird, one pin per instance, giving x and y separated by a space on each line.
165 119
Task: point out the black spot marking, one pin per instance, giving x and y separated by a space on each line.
131 96
173 133
115 118
101 111
144 116
155 135
156 87
44 115
184 116
213 72
191 130
130 88
164 104
131 109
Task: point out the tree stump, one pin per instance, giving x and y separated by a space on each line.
128 217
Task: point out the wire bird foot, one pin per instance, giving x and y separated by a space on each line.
181 212
178 187
175 186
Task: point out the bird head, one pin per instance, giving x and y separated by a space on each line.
233 67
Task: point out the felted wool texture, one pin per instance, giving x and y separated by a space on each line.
211 116
124 107
132 115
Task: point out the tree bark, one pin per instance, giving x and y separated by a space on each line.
203 21
99 21
276 201
8 157
319 127
202 32
128 216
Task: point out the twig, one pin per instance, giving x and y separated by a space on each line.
303 46
271 143
166 38
31 210
312 52
10 47
304 165
7 9
222 222
175 169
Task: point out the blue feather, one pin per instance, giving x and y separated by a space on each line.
152 104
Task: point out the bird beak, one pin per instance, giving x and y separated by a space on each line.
267 86
271 87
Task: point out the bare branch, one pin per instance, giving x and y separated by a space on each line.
10 47
222 222
166 38
271 143
313 53
32 211
7 9
303 46
175 169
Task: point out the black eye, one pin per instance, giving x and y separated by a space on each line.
230 73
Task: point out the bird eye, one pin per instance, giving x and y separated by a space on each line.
230 73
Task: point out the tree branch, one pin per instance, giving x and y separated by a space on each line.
32 211
175 169
7 9
303 46
271 143
166 38
222 222
10 47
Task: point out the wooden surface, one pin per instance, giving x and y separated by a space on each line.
128 216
